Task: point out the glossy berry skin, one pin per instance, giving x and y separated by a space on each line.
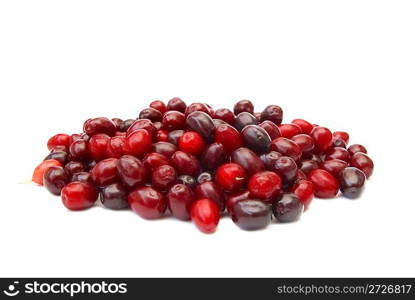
287 148
338 153
105 172
131 171
256 138
306 127
114 196
187 180
154 160
289 130
243 106
338 143
304 141
151 114
127 124
325 184
82 177
272 113
185 164
212 191
218 122
173 120
196 107
288 209
287 168
352 182
174 136
304 190
205 214
60 156
179 201
79 195
334 166
162 136
60 139
244 119
116 147
98 146
176 104
79 149
353 149
229 137
230 177
163 177
235 197
272 129
322 138
213 156
99 125
143 124
41 169
147 202
73 167
363 162
167 149
139 143
264 185
202 123
308 165
225 115
248 159
54 179
344 136
251 214
159 105
191 142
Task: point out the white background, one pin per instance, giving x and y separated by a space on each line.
348 65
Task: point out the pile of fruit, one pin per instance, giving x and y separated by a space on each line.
197 163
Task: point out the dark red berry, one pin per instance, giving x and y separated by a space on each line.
167 149
256 138
203 177
163 177
118 123
353 149
213 156
225 115
251 214
131 171
54 179
287 148
73 167
272 129
143 124
187 180
269 159
202 123
344 136
288 209
174 136
79 149
179 200
99 125
338 153
243 106
154 160
151 114
82 177
196 107
325 184
127 124
114 196
334 166
176 104
235 197
147 202
159 105
229 137
162 136
248 159
212 191
244 119
185 164
352 181
205 215
287 168
105 172
173 120
60 156
363 162
308 165
322 139
79 195
231 177
272 113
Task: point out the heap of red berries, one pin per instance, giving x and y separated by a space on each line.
198 163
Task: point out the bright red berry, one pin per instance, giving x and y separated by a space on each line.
230 177
60 139
139 143
322 139
205 214
264 185
147 202
325 184
79 195
191 142
41 169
